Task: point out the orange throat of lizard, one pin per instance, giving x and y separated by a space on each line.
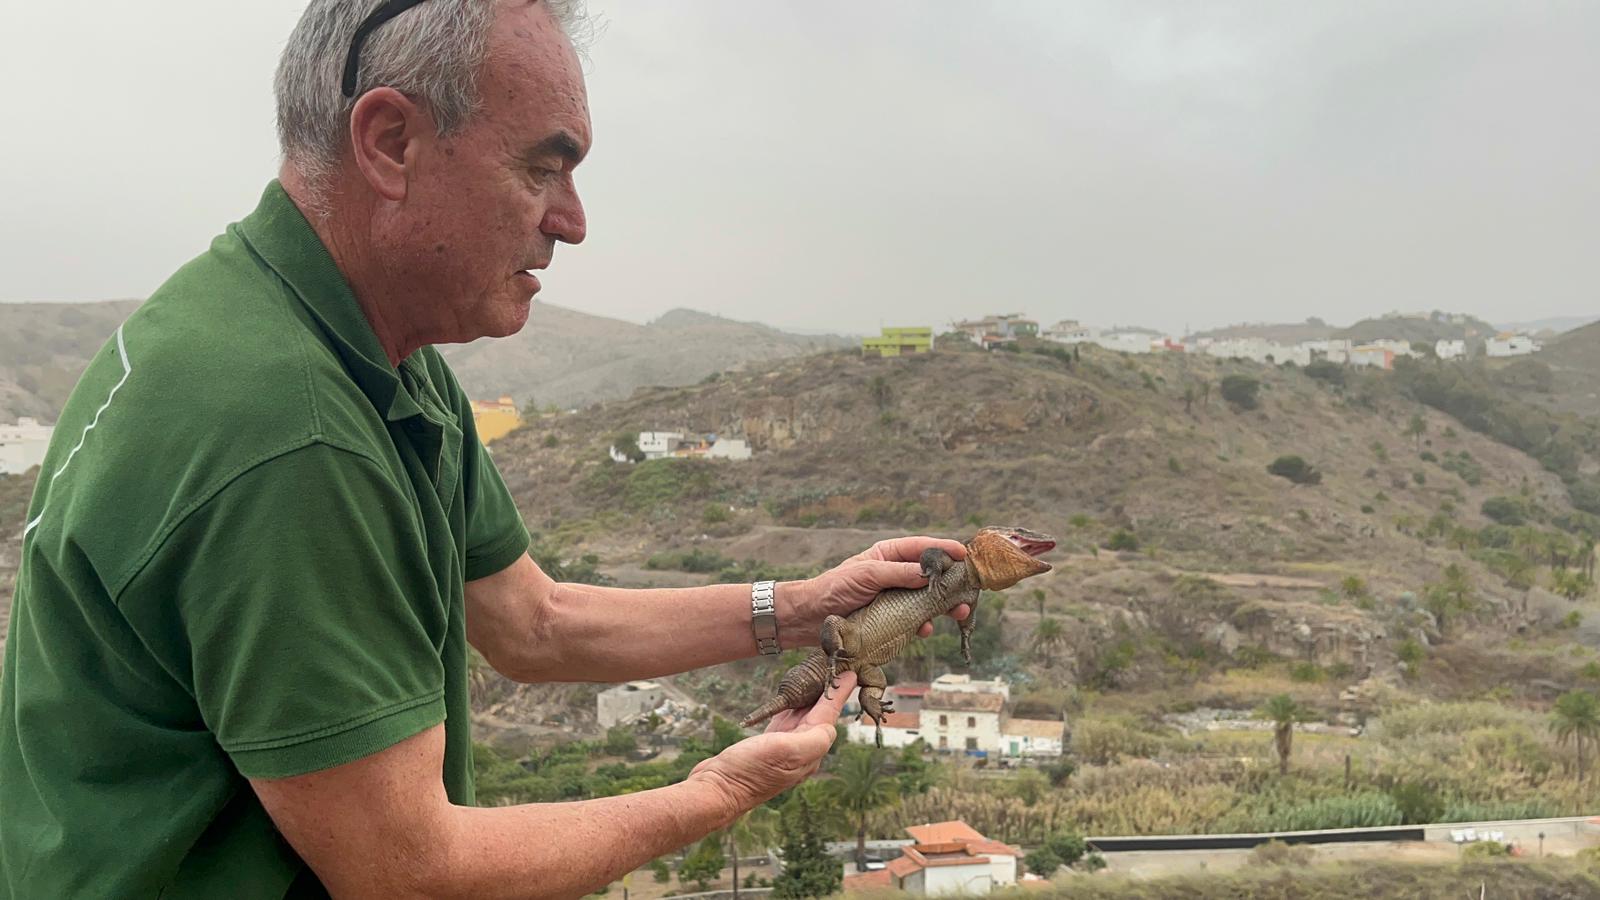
999 562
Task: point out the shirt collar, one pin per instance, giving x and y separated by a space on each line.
280 234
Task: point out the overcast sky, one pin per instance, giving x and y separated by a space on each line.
841 165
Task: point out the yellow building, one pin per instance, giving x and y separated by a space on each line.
495 418
899 342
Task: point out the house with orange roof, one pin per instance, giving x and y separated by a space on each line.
947 858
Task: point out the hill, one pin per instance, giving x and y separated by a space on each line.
44 347
569 358
1564 377
1433 327
1312 329
563 357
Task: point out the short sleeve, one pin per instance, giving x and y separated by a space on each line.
496 535
299 606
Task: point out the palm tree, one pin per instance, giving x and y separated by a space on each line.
1571 584
754 830
1284 713
1048 635
861 784
1417 428
1576 718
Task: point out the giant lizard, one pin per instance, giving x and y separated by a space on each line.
997 558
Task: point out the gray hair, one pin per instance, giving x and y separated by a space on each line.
432 52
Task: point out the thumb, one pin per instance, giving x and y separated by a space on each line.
897 575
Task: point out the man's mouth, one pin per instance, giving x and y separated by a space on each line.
528 275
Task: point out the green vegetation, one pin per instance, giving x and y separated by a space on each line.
1576 719
1122 539
1295 469
1368 879
704 863
696 560
1284 713
1062 848
1241 391
861 783
808 870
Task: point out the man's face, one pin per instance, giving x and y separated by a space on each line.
491 201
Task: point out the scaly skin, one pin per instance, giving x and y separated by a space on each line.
997 558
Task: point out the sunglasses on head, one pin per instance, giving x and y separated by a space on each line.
352 62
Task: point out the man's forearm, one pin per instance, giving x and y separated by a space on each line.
571 849
612 634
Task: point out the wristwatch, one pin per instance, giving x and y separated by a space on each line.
764 618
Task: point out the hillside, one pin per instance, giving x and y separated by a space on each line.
1312 329
563 357
44 347
1434 327
852 449
569 358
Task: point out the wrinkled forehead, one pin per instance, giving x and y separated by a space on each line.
532 73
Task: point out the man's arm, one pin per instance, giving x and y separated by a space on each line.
382 826
531 628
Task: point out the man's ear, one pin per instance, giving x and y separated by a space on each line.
384 127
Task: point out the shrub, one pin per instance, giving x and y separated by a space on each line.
1295 469
1241 391
1277 853
1419 477
1307 672
550 440
1122 539
714 514
1485 850
1505 510
660 871
1322 370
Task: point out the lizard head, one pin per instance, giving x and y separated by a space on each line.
1004 555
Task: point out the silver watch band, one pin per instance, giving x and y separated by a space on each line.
764 617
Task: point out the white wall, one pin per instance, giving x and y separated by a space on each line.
955 731
863 732
971 879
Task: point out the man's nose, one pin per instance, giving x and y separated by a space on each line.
564 220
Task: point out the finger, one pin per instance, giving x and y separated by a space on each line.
909 549
827 710
895 575
926 630
786 720
960 612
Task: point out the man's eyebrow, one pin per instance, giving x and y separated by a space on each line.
559 144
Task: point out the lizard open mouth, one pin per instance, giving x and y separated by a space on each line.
1033 546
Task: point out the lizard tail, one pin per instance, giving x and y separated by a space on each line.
801 686
766 711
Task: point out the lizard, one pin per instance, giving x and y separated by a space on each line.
997 558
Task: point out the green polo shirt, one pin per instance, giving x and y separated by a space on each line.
245 557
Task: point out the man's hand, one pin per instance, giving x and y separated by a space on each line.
852 584
757 769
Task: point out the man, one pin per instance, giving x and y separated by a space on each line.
267 533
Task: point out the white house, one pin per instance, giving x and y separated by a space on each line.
947 858
963 683
1069 331
22 446
1335 350
627 702
658 444
1450 349
1258 350
900 729
962 721
1127 341
729 448
1508 344
1030 737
